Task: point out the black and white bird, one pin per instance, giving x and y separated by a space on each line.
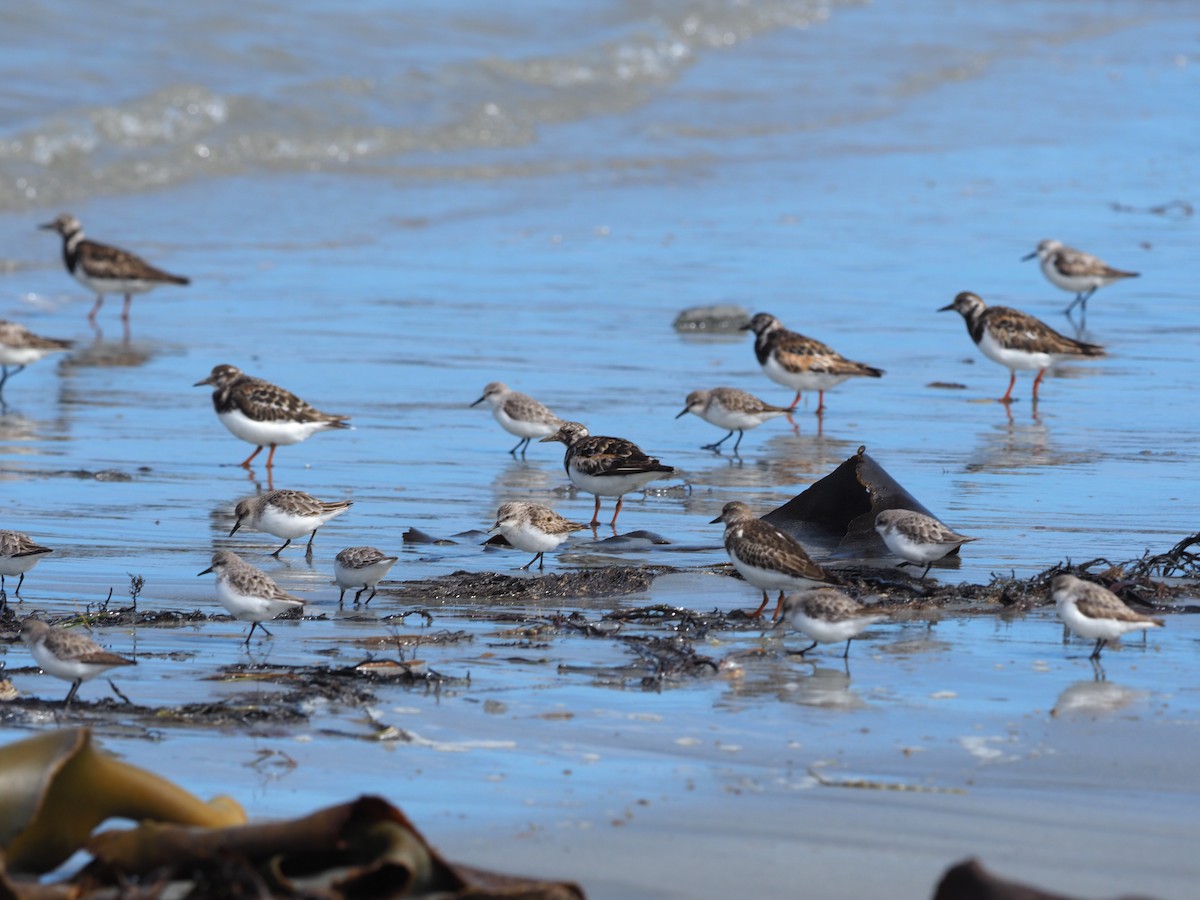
68 655
1017 340
732 409
605 466
519 414
1075 272
1094 612
827 616
917 538
104 269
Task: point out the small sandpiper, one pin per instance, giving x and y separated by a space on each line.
828 616
18 554
362 568
730 408
19 347
287 514
67 655
766 557
1017 340
916 537
1075 272
104 269
533 528
802 363
1094 612
519 414
605 466
249 594
264 414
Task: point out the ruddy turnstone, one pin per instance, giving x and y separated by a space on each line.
18 554
248 593
519 414
605 466
916 537
730 408
1093 611
262 413
1017 340
362 568
827 616
766 557
105 269
287 514
19 347
533 528
1075 272
64 654
801 363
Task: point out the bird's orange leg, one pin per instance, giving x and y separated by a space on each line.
1007 398
271 457
596 513
616 512
1036 382
758 612
245 463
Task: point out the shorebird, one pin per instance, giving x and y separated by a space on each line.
1094 612
730 408
533 528
1075 272
264 414
801 363
64 654
18 554
916 537
249 594
19 347
287 514
519 414
827 616
1017 340
605 466
766 557
104 269
361 567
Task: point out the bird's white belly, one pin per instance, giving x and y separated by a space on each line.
367 576
63 668
1075 284
113 285
1096 628
611 485
531 540
806 380
263 434
248 608
522 428
286 525
826 632
1010 358
735 420
19 565
914 551
20 356
769 579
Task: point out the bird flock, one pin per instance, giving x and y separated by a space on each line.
268 416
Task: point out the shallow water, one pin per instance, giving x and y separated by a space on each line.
385 213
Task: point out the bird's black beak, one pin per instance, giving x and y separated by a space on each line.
204 382
548 438
686 410
480 400
715 521
745 327
47 226
205 572
236 526
947 307
1029 256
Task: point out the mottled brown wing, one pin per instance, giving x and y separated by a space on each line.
266 402
614 456
103 261
1021 331
768 548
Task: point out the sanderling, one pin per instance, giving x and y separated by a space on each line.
801 363
19 347
519 414
249 594
1094 612
18 554
828 616
605 466
916 537
1017 340
766 557
262 413
105 269
533 528
1075 272
362 568
730 408
287 514
67 655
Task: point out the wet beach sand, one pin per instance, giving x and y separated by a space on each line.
851 177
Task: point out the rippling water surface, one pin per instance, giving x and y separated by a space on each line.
385 209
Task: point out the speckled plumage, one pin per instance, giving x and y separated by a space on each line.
67 654
287 514
533 528
766 557
916 537
361 567
1076 272
730 408
605 466
1017 340
828 616
1092 611
19 347
262 413
802 363
519 414
18 554
105 269
248 593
